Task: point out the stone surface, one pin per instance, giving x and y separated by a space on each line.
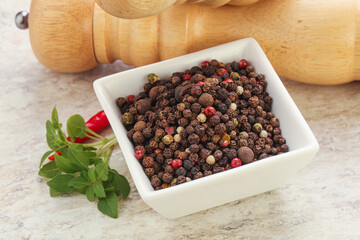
322 202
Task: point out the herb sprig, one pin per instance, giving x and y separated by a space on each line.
82 167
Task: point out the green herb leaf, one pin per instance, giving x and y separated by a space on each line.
55 118
53 192
64 164
101 170
78 182
90 193
109 205
78 158
110 189
95 161
92 175
53 140
99 190
120 184
49 170
60 183
44 157
76 126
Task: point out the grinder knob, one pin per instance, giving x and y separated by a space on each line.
22 19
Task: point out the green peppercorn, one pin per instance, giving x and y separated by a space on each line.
152 78
173 182
127 118
243 135
235 76
235 122
257 127
168 139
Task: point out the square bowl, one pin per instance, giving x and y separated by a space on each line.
230 185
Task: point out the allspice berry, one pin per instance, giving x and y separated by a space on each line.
143 105
206 100
139 126
138 138
154 92
127 119
245 154
120 102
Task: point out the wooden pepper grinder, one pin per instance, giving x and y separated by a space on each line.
313 42
133 9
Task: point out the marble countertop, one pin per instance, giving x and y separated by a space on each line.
321 202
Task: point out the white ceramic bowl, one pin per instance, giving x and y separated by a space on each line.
227 186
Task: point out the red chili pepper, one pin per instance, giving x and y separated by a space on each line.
95 123
52 157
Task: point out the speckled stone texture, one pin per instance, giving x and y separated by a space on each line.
322 202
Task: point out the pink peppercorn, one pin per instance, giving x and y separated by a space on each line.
176 163
235 162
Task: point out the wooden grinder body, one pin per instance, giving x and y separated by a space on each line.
308 41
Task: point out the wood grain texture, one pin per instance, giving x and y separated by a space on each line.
305 41
61 34
132 9
312 42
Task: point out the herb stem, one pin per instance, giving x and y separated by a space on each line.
88 130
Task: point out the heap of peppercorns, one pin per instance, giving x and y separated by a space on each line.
200 122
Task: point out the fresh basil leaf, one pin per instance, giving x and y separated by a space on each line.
78 158
90 194
99 190
64 164
78 182
53 140
120 184
44 157
55 118
60 183
76 126
101 170
109 205
92 175
53 192
49 170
